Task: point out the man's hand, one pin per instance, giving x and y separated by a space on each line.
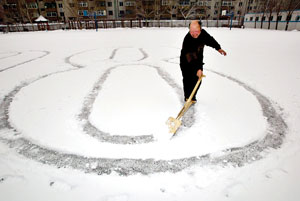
199 73
222 52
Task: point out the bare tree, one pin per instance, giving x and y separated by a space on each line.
290 6
186 9
2 15
204 11
259 7
158 9
145 9
256 11
23 9
278 8
73 10
264 5
220 12
171 8
270 8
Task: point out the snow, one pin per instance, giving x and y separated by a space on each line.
85 95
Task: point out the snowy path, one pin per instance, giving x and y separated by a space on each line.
103 110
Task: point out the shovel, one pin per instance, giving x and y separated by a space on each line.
175 123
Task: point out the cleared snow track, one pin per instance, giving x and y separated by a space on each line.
33 147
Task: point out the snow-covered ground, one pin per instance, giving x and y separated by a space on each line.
82 117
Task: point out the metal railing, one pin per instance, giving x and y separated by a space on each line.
105 24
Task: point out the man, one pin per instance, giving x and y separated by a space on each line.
191 57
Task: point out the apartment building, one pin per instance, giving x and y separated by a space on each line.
115 9
130 9
282 20
13 11
10 11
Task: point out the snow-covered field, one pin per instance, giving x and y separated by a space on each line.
82 117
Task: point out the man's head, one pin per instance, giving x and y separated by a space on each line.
195 28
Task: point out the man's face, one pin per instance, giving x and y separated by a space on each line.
195 30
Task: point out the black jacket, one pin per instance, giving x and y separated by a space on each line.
192 50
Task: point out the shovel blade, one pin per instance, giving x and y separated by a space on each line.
173 124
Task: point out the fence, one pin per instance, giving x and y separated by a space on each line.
279 21
104 24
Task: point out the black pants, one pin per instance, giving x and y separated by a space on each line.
190 79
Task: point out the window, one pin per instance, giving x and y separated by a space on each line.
121 4
122 12
184 2
109 4
32 5
50 5
227 3
240 4
264 18
83 4
110 12
129 12
251 18
83 13
257 19
101 13
148 3
51 14
271 18
129 3
101 3
60 5
80 12
279 18
62 14
298 18
289 17
165 2
86 13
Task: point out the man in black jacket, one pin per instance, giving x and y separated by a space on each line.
191 57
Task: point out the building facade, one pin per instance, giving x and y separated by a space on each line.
26 11
282 20
66 10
